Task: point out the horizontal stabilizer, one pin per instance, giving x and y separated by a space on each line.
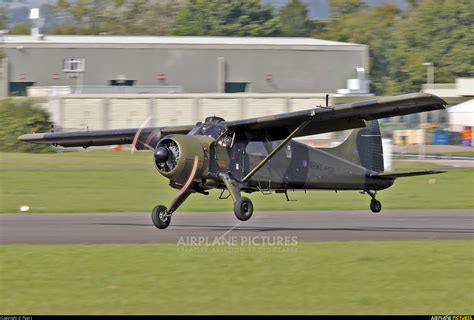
406 174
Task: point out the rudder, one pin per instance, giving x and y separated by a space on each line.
363 146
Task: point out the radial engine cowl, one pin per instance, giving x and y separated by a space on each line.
174 156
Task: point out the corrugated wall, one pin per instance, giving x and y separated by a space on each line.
82 114
76 112
127 113
174 112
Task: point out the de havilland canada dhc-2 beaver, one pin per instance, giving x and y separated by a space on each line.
259 154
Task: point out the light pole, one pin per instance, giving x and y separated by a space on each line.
429 80
429 72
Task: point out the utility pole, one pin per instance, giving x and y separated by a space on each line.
429 80
429 72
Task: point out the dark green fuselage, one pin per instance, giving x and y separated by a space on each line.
297 166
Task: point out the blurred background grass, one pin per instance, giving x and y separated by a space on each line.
101 181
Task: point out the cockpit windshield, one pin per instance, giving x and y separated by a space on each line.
208 129
215 130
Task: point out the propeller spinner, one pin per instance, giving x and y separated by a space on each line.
167 155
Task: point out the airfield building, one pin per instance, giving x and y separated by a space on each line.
142 64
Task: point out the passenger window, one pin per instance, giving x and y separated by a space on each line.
256 148
288 151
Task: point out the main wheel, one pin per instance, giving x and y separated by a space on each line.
243 209
160 218
375 206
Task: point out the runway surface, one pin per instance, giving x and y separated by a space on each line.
303 226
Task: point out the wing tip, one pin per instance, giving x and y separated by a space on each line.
424 95
442 102
32 137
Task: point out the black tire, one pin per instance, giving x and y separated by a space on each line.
375 206
243 209
159 220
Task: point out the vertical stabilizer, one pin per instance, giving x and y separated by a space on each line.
363 147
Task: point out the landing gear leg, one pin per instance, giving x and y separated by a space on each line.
375 205
161 216
243 207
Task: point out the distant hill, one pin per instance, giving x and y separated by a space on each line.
26 3
19 11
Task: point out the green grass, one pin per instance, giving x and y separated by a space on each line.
108 181
462 153
358 277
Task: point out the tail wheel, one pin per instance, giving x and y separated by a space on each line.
375 206
243 209
160 217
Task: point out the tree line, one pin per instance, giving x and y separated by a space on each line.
437 31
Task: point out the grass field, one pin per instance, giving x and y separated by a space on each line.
354 277
452 153
358 277
109 181
461 154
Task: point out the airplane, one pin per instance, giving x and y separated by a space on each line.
260 154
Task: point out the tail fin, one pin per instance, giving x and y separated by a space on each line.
363 146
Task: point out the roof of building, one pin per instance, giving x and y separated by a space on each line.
154 40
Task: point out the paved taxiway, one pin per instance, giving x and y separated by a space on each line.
305 226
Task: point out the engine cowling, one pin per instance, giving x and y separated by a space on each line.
174 156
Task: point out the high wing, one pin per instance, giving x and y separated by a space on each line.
140 137
341 117
276 127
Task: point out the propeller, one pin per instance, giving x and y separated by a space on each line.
136 138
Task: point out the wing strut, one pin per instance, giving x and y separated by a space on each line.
274 151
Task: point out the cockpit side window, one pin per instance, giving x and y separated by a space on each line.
227 140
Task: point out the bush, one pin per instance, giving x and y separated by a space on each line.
19 116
